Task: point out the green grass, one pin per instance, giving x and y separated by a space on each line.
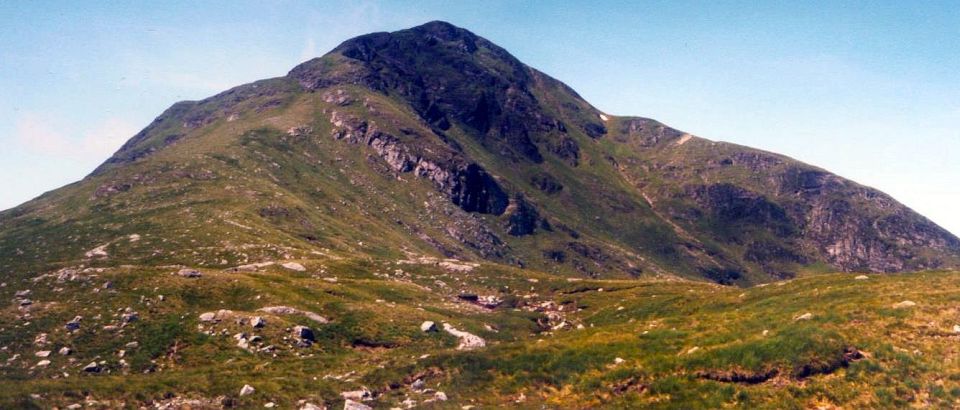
653 326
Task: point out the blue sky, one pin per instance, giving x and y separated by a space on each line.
869 90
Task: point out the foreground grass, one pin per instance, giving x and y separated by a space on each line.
642 343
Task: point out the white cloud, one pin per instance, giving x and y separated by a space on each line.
38 135
43 135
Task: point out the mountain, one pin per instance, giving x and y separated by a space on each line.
435 140
427 174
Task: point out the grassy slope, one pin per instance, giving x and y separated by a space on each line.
376 310
199 201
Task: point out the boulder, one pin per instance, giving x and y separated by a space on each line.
42 353
74 324
189 273
468 341
489 301
294 266
92 367
287 310
457 266
257 322
253 267
862 277
905 304
98 252
130 317
247 390
215 316
428 326
362 394
304 333
65 351
353 405
805 316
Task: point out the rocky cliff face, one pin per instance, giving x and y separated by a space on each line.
436 140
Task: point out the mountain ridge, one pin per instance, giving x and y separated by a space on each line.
528 162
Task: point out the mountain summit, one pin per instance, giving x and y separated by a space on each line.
435 141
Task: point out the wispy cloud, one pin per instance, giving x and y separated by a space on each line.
42 135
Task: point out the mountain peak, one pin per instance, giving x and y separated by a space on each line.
452 78
444 30
437 140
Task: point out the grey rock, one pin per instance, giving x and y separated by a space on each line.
353 405
287 310
428 326
805 316
468 341
74 324
213 317
189 273
130 317
247 390
303 333
294 266
362 394
905 304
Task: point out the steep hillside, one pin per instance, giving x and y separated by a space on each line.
437 141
